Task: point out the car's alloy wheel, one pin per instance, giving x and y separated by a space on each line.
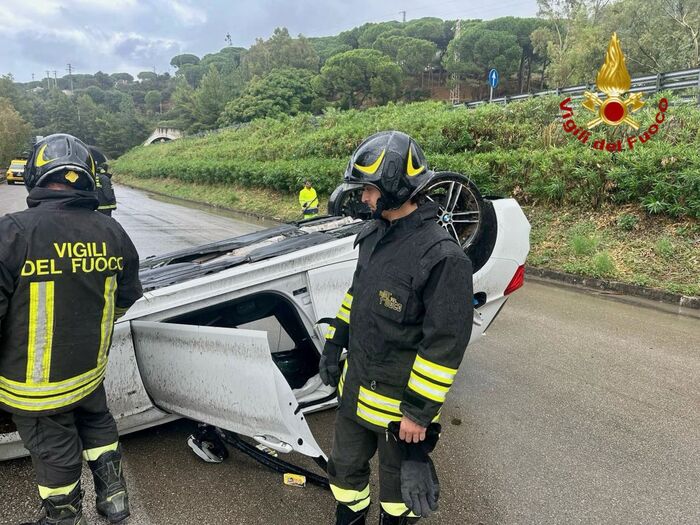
460 205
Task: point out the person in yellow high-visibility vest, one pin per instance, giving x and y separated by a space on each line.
308 200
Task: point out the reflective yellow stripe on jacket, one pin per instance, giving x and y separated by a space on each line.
344 311
378 409
431 380
38 392
40 333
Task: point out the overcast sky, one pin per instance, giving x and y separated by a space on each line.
138 35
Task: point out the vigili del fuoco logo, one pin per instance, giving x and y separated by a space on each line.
615 108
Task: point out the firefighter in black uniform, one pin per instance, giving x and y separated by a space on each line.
107 201
66 274
406 322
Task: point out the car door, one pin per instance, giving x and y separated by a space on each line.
224 377
328 285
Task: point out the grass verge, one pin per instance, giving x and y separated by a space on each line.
621 243
256 201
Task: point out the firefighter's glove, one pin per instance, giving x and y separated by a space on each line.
329 365
420 488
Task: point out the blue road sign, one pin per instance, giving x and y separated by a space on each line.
493 78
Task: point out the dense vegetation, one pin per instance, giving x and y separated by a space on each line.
520 149
365 66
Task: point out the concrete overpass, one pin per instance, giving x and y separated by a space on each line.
163 135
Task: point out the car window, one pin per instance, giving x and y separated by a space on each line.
277 336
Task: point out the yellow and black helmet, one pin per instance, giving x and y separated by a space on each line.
60 158
392 162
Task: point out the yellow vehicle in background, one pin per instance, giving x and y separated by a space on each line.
15 173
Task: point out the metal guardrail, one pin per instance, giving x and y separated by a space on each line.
672 81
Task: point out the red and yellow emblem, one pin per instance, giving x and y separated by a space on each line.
614 80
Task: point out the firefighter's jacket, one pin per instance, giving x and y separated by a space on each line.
406 321
308 200
66 273
107 201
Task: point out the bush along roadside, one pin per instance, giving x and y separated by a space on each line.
631 216
519 150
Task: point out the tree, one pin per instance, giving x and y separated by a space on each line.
356 76
14 132
210 99
522 28
103 80
477 50
62 115
432 29
412 54
226 61
184 106
327 46
185 59
280 51
9 90
153 100
193 74
570 42
123 77
113 100
122 130
147 75
573 47
657 36
96 94
282 92
371 32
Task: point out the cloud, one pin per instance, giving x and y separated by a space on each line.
187 14
132 35
141 50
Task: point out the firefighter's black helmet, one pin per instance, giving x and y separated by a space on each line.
60 158
392 162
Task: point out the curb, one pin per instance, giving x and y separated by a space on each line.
684 301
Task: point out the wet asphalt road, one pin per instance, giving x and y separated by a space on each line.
575 408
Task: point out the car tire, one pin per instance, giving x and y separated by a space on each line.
346 201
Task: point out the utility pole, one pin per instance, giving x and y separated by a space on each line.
404 15
70 76
55 79
454 92
48 79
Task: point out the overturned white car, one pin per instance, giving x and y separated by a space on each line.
226 333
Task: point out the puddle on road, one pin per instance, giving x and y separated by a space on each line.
221 212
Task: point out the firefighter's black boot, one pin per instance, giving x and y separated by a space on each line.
112 498
62 510
345 516
388 519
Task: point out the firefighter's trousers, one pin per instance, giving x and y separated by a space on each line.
59 442
348 467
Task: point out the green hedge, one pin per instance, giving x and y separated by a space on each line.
519 149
